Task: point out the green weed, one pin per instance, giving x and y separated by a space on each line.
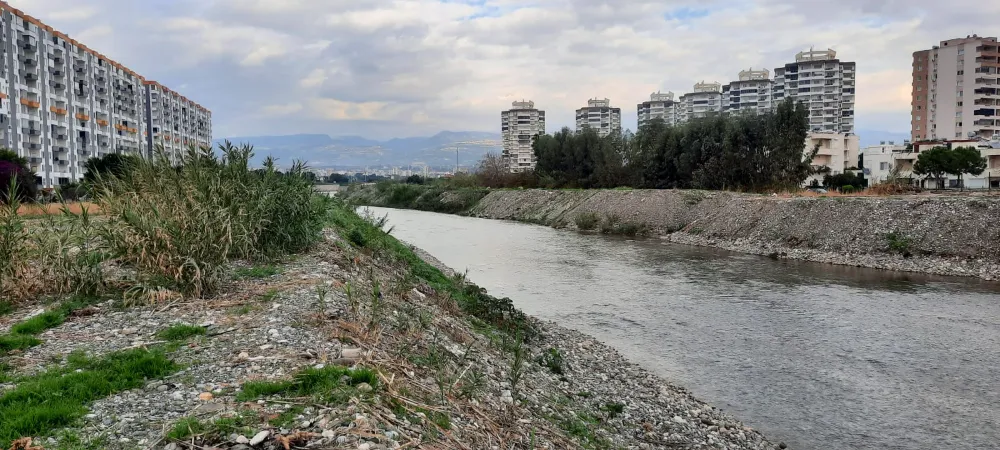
898 242
587 220
552 359
39 323
324 383
179 332
56 398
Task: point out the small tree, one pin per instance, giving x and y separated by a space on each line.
414 179
966 160
106 166
935 163
15 168
491 171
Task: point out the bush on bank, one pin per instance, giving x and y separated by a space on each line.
172 226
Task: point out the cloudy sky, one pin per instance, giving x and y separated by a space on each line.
396 68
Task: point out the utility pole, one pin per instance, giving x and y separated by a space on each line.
456 161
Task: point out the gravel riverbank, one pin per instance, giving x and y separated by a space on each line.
443 380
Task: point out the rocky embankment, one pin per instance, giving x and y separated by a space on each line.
937 234
435 376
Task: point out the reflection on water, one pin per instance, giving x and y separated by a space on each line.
817 356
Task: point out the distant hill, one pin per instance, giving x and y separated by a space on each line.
874 137
323 151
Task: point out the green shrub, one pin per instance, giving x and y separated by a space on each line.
552 359
184 223
898 242
847 189
587 220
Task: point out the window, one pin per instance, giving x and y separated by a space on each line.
961 72
959 103
958 135
920 88
919 107
961 51
918 127
918 117
920 68
920 97
883 166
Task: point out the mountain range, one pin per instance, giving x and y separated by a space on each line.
323 151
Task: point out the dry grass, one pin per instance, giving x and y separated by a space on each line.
48 209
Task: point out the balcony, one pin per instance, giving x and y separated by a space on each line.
30 77
31 131
30 103
60 111
82 117
30 61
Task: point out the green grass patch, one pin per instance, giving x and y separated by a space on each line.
256 272
324 383
286 418
219 429
56 398
39 323
5 308
185 428
583 428
21 335
179 332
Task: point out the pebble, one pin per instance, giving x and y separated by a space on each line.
205 396
241 439
259 438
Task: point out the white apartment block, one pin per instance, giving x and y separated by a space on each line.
824 84
62 103
659 106
752 93
519 126
175 123
836 151
706 99
956 93
600 116
879 161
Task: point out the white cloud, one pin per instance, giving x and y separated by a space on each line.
281 110
395 67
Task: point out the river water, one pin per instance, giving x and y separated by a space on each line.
815 355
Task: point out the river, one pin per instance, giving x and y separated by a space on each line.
817 356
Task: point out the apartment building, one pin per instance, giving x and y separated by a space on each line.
175 123
752 93
62 103
836 151
955 93
880 160
519 125
659 106
599 115
824 84
706 99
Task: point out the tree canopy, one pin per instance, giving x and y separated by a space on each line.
106 166
743 152
940 161
14 169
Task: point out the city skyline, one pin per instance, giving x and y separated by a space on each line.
392 69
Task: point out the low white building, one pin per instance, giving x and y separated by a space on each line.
879 160
836 151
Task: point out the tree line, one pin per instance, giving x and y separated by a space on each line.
750 152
